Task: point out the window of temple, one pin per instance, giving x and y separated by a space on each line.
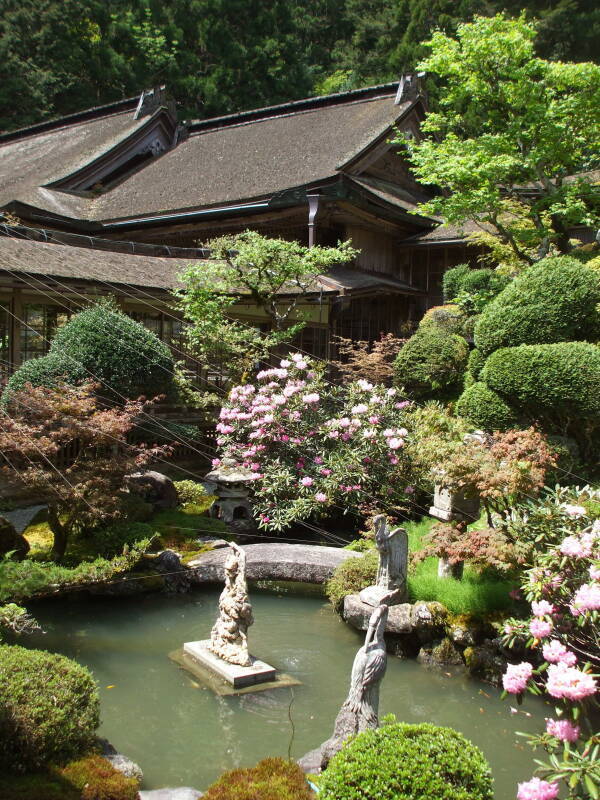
4 342
40 323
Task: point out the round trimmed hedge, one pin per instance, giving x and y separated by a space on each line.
103 343
49 709
551 381
475 363
431 361
413 762
452 281
449 318
553 301
270 779
485 408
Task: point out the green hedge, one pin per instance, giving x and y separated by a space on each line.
548 381
475 363
449 318
412 762
101 342
553 301
452 281
49 709
485 408
432 361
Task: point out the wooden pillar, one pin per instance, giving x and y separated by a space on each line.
16 307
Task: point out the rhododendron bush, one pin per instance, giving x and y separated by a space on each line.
563 589
312 446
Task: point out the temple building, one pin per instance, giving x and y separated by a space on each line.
119 199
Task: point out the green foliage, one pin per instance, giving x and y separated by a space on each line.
48 371
119 538
270 779
507 118
449 318
189 491
49 708
255 268
103 344
555 383
415 762
475 363
431 362
555 300
485 408
23 579
89 778
350 577
475 593
452 281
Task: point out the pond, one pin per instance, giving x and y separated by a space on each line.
182 734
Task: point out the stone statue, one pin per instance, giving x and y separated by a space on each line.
360 710
393 565
228 638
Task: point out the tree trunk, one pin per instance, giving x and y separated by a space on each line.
59 545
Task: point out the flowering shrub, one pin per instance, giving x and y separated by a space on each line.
563 589
311 446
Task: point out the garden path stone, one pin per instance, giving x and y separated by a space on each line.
181 793
21 517
275 562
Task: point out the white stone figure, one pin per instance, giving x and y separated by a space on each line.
229 636
393 565
368 669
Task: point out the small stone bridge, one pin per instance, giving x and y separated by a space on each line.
274 562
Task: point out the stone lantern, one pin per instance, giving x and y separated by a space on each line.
232 503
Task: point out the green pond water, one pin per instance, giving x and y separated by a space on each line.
184 735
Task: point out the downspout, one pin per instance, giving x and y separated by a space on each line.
313 210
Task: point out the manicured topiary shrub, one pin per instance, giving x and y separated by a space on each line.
191 492
49 708
553 301
431 362
449 318
551 382
412 762
486 409
483 280
46 371
475 363
270 779
103 343
452 281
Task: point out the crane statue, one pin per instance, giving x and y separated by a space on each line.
360 710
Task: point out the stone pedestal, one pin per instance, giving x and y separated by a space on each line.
238 677
454 505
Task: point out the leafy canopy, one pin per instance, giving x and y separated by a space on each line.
509 131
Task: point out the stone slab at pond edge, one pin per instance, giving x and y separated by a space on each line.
267 561
181 793
257 672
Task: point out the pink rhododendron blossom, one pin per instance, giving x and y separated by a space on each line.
514 594
255 476
318 460
587 597
573 511
307 481
542 607
369 434
344 422
569 683
539 628
563 729
537 789
409 490
555 652
361 408
321 497
576 547
516 676
311 398
216 462
403 404
325 471
395 444
301 364
394 460
374 420
508 629
595 572
365 385
285 363
296 357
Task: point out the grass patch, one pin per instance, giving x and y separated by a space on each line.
476 594
181 527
